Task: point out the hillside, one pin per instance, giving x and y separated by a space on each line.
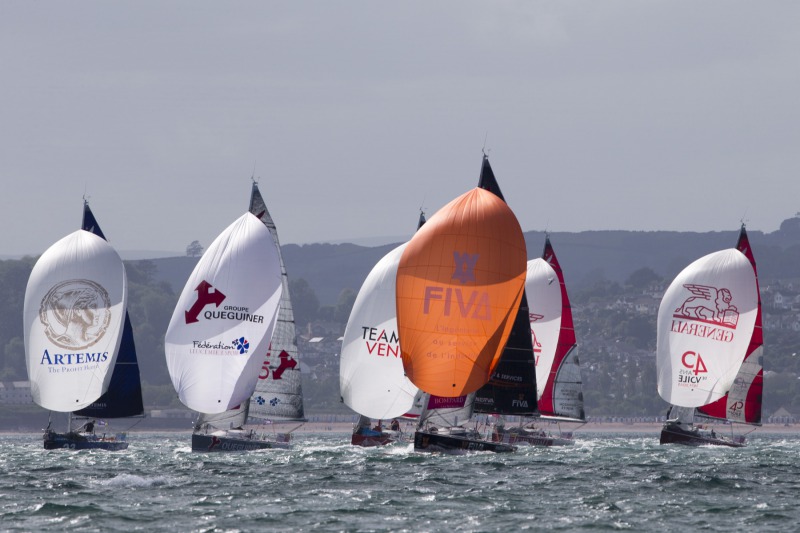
615 279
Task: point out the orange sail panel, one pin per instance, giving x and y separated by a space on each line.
459 286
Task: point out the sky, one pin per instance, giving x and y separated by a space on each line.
658 115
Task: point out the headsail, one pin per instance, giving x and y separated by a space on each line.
706 327
224 319
124 395
73 320
459 286
558 373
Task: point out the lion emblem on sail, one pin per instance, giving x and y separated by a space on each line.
709 304
75 313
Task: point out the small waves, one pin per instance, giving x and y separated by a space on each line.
323 483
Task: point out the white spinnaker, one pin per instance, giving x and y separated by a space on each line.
73 317
371 377
705 322
544 307
211 369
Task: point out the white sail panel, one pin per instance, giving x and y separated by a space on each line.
705 323
544 304
73 318
371 376
224 318
446 412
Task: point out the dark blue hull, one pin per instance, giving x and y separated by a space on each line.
212 443
436 442
673 434
76 441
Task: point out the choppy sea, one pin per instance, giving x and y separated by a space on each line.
603 482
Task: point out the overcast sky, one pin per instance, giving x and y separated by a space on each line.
657 115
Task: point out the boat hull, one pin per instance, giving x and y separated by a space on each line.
76 441
528 438
672 434
375 439
214 443
436 442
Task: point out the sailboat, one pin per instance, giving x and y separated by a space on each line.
709 348
371 377
460 283
228 333
79 345
559 387
511 391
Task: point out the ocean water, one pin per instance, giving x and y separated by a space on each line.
604 482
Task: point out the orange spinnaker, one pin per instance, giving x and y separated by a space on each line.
459 286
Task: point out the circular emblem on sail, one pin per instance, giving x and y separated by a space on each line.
75 313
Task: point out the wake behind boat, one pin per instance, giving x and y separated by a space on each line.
710 346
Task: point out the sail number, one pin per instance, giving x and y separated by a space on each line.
693 361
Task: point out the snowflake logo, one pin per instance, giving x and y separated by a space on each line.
273 402
260 400
242 344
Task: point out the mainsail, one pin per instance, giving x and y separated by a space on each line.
74 315
124 395
709 336
558 373
512 387
224 318
279 392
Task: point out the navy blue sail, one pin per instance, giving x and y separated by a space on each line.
512 388
124 395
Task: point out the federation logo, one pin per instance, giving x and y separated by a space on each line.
242 345
75 313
